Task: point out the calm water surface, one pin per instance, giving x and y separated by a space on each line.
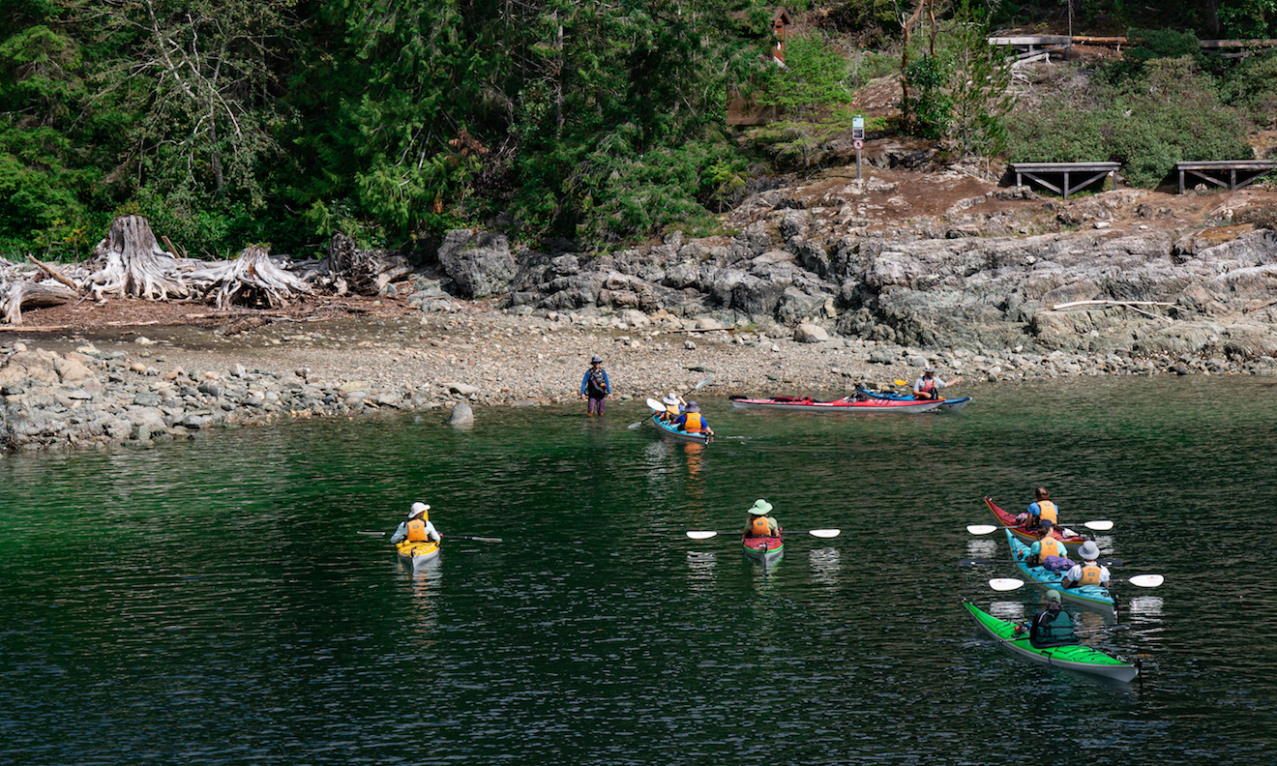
210 602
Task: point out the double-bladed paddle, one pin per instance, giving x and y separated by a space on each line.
1011 583
657 406
984 562
1102 525
707 534
450 537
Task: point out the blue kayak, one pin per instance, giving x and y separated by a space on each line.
1095 596
672 432
952 405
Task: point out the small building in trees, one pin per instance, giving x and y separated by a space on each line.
741 109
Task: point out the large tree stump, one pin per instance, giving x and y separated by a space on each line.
365 272
252 279
131 262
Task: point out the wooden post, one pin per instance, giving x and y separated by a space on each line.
1066 185
1181 180
1232 178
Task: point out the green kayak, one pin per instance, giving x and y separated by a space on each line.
1083 659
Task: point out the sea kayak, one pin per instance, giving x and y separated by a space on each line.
673 432
1094 596
1025 536
764 550
946 405
837 405
1083 659
417 553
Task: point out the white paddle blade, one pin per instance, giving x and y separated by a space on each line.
701 535
655 405
982 529
1146 581
826 533
1098 526
1005 583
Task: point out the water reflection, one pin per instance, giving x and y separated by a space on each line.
981 549
826 563
1007 610
700 569
1145 606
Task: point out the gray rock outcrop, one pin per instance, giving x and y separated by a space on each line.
479 263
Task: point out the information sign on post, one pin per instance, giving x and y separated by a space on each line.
858 139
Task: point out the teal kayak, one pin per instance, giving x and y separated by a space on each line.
1094 596
668 429
1083 659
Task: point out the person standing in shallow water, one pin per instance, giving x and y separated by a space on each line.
595 386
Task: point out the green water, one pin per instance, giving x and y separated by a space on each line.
210 602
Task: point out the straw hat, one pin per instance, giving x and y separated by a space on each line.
760 508
1052 595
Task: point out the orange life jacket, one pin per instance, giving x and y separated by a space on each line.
1048 512
693 423
759 526
1049 546
417 531
1090 575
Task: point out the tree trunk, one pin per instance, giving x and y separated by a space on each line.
366 272
131 262
252 279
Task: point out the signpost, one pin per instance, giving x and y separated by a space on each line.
858 139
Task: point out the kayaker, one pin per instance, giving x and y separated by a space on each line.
595 386
692 421
674 405
1049 551
761 523
417 527
928 386
1041 509
1052 626
1090 571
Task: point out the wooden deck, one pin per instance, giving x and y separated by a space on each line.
1088 172
1229 174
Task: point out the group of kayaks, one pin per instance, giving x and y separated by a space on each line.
1076 657
863 402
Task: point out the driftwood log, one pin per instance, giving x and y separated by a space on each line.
129 262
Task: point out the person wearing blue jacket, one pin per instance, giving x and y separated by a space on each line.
595 386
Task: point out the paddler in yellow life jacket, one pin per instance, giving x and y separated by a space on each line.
417 527
674 405
1040 510
761 523
1090 571
1049 551
692 421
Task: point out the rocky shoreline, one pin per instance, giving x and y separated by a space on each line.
821 285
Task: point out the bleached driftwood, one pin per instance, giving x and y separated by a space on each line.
363 272
26 293
1071 304
131 262
252 279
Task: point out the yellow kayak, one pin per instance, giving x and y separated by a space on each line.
417 553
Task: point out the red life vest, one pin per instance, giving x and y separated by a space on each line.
693 424
759 526
1048 512
1090 574
928 385
417 531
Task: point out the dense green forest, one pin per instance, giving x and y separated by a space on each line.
234 121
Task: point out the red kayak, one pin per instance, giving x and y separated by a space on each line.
764 550
1025 536
839 405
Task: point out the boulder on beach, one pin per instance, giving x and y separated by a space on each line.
462 416
479 262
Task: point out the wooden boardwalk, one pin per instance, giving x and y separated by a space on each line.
1088 172
1226 173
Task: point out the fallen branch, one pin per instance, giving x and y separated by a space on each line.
702 329
53 273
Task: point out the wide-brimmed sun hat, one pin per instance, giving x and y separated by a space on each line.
417 508
760 508
1089 550
670 399
931 370
693 407
596 359
1052 595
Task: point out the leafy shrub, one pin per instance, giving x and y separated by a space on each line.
929 106
814 75
1252 87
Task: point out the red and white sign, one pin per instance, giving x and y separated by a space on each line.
858 144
